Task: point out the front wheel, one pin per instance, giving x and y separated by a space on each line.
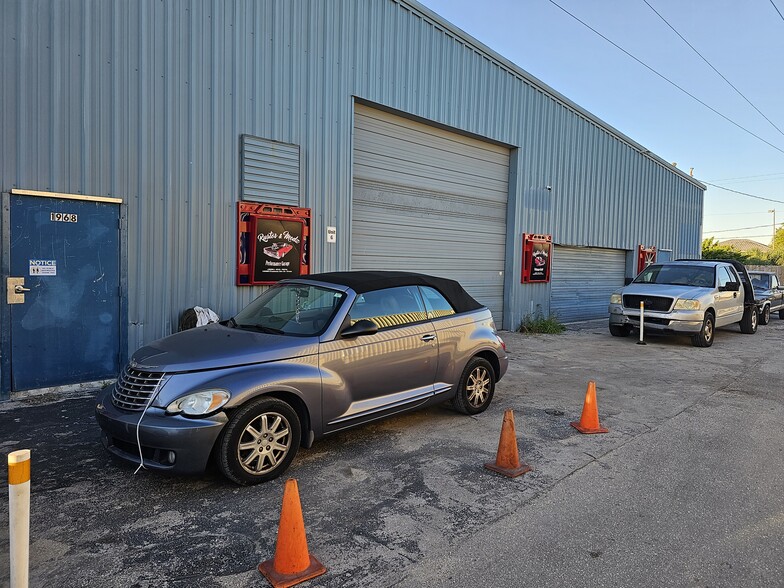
476 387
259 442
705 337
748 324
620 330
764 318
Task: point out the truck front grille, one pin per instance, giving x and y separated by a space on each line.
134 388
657 303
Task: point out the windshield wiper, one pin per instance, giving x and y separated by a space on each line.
231 323
261 329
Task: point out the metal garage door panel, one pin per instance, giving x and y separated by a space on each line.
583 279
431 201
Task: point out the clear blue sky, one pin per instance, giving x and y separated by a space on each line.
742 39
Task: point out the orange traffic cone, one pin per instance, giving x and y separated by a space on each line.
589 421
292 563
507 460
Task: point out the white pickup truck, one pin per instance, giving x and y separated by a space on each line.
686 297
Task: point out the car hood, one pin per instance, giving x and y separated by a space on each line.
217 346
669 290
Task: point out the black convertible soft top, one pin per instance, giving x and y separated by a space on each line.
368 281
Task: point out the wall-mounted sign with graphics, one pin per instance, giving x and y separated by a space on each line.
273 243
537 250
645 257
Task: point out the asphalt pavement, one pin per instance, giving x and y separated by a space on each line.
687 488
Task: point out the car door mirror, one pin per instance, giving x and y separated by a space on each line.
730 287
359 328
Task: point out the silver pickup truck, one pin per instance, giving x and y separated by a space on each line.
686 297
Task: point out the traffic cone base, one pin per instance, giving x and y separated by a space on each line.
589 420
509 472
507 460
278 580
587 431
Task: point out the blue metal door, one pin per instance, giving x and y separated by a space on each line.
64 291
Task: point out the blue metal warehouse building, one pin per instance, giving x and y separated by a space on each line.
132 130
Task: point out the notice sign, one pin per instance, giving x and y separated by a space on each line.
43 267
536 258
277 249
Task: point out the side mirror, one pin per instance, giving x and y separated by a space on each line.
359 328
730 287
627 281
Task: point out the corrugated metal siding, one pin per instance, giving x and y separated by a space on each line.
270 171
431 201
582 280
146 101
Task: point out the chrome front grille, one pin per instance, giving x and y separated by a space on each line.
134 388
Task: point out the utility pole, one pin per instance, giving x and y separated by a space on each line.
774 228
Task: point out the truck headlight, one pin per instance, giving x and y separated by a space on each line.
682 304
616 299
199 403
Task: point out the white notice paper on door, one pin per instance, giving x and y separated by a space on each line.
43 267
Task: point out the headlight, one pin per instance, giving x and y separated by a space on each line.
682 304
199 403
616 299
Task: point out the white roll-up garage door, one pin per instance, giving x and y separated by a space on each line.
429 200
582 279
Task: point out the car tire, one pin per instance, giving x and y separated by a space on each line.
620 330
259 442
476 387
705 337
781 314
764 317
749 322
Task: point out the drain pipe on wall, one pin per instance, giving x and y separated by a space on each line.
19 516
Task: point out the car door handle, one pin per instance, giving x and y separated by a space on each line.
428 338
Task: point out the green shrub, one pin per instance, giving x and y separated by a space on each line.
539 324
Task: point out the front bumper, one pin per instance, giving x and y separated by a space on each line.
169 443
679 321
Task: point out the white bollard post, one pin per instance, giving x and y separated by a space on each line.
19 516
642 323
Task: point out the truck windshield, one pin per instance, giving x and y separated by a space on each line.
290 309
679 275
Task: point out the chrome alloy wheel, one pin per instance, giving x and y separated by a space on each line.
478 386
264 443
708 330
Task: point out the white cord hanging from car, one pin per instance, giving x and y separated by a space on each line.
139 424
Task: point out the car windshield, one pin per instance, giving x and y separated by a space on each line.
290 309
680 275
760 281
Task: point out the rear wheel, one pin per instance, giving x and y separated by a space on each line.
476 387
764 318
259 442
620 330
781 314
748 324
705 337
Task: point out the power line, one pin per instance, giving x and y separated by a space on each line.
666 79
749 177
744 193
741 228
713 68
777 10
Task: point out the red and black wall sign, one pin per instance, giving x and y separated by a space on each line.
645 257
273 243
537 250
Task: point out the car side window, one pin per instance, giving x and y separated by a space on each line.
437 306
774 282
391 307
725 277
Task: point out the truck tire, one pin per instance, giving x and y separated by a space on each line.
781 314
620 330
705 337
748 324
764 318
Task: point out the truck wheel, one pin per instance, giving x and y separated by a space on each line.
620 330
705 337
764 318
781 314
748 324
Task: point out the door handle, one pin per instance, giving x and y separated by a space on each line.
428 338
19 289
15 291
